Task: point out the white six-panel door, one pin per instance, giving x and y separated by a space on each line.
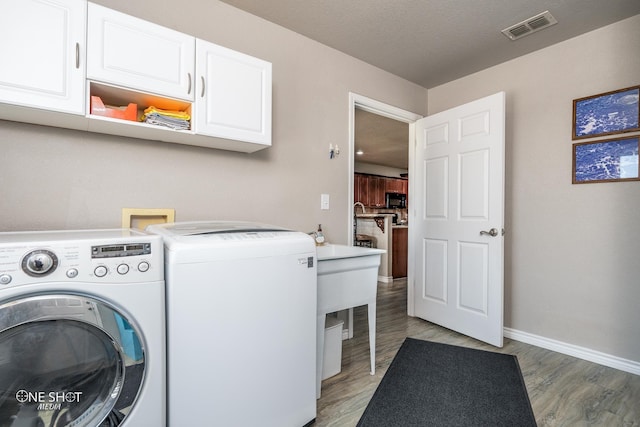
458 226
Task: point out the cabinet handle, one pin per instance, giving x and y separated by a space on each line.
77 55
202 94
189 89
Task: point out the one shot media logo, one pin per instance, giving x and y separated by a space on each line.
48 401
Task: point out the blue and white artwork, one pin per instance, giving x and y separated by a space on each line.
606 114
606 160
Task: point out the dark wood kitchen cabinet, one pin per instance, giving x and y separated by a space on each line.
370 190
399 242
377 191
397 185
361 189
393 185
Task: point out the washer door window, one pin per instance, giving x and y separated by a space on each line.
67 360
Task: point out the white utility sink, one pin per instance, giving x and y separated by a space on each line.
332 252
347 278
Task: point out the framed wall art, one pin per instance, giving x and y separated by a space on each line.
606 113
609 160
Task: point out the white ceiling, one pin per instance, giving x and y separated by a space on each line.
431 42
383 141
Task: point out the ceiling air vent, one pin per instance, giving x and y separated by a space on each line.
530 26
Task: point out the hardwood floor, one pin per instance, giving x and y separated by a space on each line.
564 391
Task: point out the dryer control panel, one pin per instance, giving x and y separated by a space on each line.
84 257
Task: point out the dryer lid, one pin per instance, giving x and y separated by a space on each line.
201 228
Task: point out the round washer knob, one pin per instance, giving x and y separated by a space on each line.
39 263
5 279
143 266
72 272
100 271
123 269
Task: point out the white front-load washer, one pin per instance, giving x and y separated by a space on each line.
82 331
241 324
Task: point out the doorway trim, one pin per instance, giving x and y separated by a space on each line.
385 110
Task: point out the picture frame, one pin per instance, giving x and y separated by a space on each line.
606 113
607 160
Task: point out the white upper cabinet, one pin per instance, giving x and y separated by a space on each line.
130 52
66 56
42 49
233 98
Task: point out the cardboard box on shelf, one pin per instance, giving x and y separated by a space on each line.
98 108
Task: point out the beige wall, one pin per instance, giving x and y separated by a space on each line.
572 251
61 179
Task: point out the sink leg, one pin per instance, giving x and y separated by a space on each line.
372 335
319 352
350 329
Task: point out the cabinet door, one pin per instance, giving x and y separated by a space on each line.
377 191
361 189
234 94
393 185
399 252
42 45
130 52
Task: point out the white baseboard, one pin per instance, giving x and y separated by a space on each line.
385 279
575 351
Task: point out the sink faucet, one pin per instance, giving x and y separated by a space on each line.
358 204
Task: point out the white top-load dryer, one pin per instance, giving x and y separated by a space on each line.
241 324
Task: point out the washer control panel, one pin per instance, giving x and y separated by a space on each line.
114 254
132 258
121 250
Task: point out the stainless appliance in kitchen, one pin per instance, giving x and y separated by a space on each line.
396 200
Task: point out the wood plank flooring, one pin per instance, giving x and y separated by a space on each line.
564 391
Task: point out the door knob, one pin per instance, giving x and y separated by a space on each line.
493 232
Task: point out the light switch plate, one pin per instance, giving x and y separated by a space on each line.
324 202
